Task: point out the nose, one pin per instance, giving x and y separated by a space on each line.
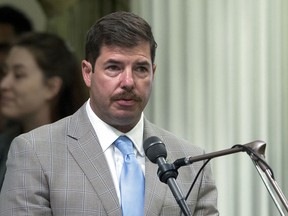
127 79
6 81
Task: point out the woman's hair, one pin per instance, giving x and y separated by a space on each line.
55 58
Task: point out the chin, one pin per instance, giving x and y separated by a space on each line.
125 120
9 115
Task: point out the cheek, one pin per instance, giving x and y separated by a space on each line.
100 89
25 103
145 87
31 94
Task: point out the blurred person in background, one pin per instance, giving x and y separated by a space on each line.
13 23
40 85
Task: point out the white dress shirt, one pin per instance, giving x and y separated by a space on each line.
107 135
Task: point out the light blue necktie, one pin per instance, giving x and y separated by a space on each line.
131 180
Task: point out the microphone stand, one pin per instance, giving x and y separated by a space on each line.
261 166
256 150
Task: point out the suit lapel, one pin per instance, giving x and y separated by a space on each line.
86 150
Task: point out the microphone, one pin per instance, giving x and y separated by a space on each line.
156 152
257 147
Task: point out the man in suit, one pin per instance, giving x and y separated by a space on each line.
72 167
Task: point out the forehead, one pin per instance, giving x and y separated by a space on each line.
142 50
22 58
20 54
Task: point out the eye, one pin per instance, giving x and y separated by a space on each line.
142 71
19 74
113 68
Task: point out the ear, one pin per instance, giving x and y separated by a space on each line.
54 85
87 72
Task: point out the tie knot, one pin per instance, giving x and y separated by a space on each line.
125 145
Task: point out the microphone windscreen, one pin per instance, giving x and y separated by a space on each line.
154 148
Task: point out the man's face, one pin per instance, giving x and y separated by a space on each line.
120 84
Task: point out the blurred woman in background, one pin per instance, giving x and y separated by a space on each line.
13 23
41 84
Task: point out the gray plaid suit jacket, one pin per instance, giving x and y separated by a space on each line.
60 169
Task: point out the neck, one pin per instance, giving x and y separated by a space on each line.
30 125
35 120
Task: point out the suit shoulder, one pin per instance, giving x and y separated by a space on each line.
62 127
58 127
172 141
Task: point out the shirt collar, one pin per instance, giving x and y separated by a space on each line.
108 134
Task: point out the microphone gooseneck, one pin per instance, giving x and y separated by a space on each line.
255 147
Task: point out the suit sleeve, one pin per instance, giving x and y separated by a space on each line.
25 188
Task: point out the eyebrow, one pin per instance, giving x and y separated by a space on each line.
109 61
113 61
144 63
15 67
18 66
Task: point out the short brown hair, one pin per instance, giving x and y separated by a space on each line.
120 28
